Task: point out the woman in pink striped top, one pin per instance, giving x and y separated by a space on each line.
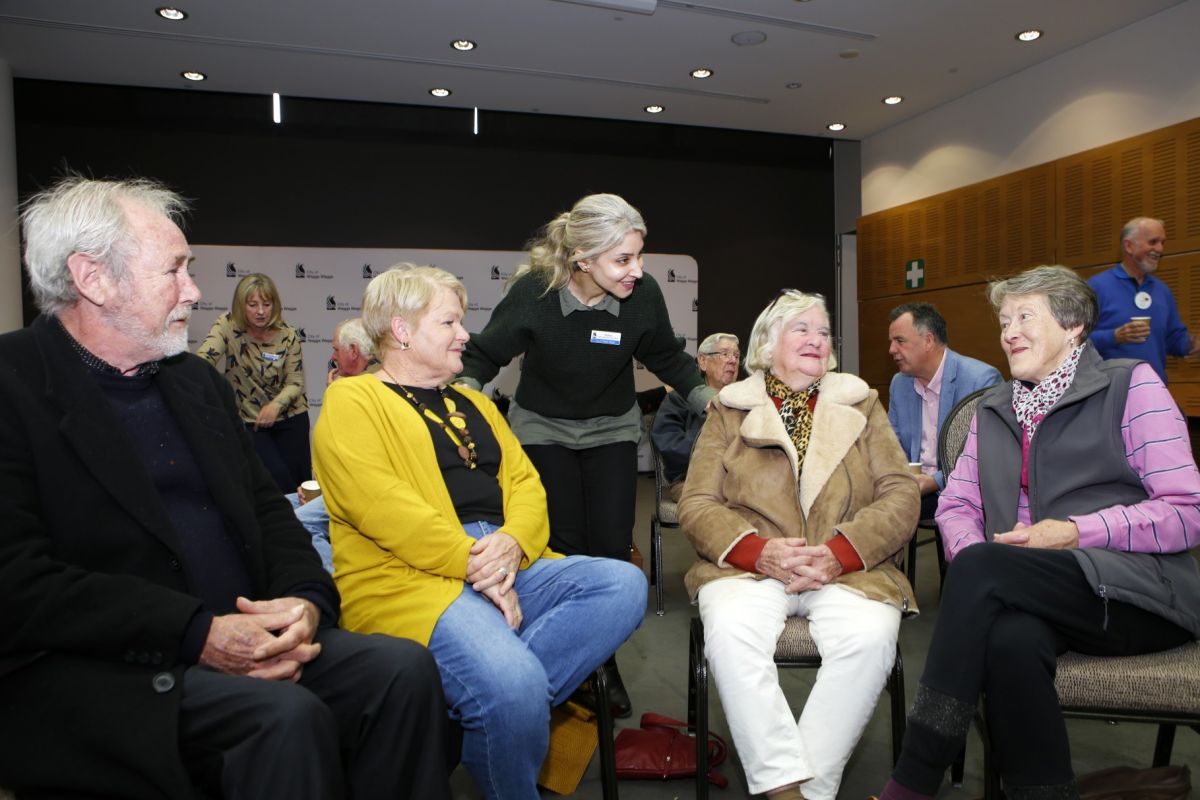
1067 520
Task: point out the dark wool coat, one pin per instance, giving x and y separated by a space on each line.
94 596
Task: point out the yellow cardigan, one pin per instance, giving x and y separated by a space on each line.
399 552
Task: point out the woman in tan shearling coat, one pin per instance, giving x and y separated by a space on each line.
797 499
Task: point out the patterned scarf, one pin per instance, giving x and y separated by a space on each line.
1030 405
793 409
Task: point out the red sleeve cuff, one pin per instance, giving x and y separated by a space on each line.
745 553
845 553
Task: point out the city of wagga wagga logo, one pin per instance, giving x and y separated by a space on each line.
670 276
231 270
299 270
368 273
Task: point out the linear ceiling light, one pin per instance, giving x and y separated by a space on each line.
631 6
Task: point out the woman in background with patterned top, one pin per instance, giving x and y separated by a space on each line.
580 312
260 356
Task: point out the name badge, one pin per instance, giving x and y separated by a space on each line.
271 356
606 337
1143 300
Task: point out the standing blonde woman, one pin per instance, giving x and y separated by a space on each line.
260 356
580 313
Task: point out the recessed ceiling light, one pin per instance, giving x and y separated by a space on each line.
848 54
702 72
440 92
893 100
793 85
836 126
192 75
463 44
173 14
748 38
1029 35
654 109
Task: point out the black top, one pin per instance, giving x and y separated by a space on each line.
475 492
579 366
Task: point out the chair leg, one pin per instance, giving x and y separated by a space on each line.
1164 744
941 556
656 562
698 704
896 693
910 564
958 767
604 730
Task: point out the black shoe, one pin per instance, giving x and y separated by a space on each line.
617 696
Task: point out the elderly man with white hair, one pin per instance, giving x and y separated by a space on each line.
677 425
353 351
1138 314
166 629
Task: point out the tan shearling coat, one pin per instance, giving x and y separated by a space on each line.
742 479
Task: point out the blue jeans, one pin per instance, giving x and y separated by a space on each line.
501 683
315 519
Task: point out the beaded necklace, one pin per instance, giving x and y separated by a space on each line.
461 436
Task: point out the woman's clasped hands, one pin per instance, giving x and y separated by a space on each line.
800 567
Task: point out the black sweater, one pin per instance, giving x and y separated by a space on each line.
566 374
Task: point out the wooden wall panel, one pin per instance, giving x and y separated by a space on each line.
970 234
1069 211
1156 175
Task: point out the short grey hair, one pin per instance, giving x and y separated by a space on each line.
1071 300
712 342
351 331
790 304
83 215
1134 227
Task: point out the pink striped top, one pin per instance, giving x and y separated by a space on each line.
1158 449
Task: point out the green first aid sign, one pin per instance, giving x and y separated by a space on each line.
914 274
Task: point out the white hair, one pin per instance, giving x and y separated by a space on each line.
351 331
82 215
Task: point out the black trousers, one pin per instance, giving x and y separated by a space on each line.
590 496
1006 614
285 451
367 720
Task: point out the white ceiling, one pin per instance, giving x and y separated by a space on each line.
558 57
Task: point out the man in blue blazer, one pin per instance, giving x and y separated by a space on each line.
931 381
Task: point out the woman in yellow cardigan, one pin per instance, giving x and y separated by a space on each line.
439 530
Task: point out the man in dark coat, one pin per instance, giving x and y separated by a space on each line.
167 629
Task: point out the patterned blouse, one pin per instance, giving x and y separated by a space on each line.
259 373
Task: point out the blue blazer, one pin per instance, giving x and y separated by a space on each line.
960 376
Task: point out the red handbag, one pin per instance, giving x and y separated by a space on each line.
662 748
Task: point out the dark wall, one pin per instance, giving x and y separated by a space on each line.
755 210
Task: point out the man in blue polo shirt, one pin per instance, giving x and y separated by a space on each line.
1138 315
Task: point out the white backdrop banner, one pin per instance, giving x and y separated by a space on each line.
322 286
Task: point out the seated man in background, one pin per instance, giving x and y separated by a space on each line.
353 354
931 381
165 623
676 425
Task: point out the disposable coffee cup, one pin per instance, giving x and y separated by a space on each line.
914 467
309 490
1141 319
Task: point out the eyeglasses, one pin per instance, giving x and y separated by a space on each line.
724 355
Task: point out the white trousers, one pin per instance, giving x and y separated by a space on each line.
856 637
